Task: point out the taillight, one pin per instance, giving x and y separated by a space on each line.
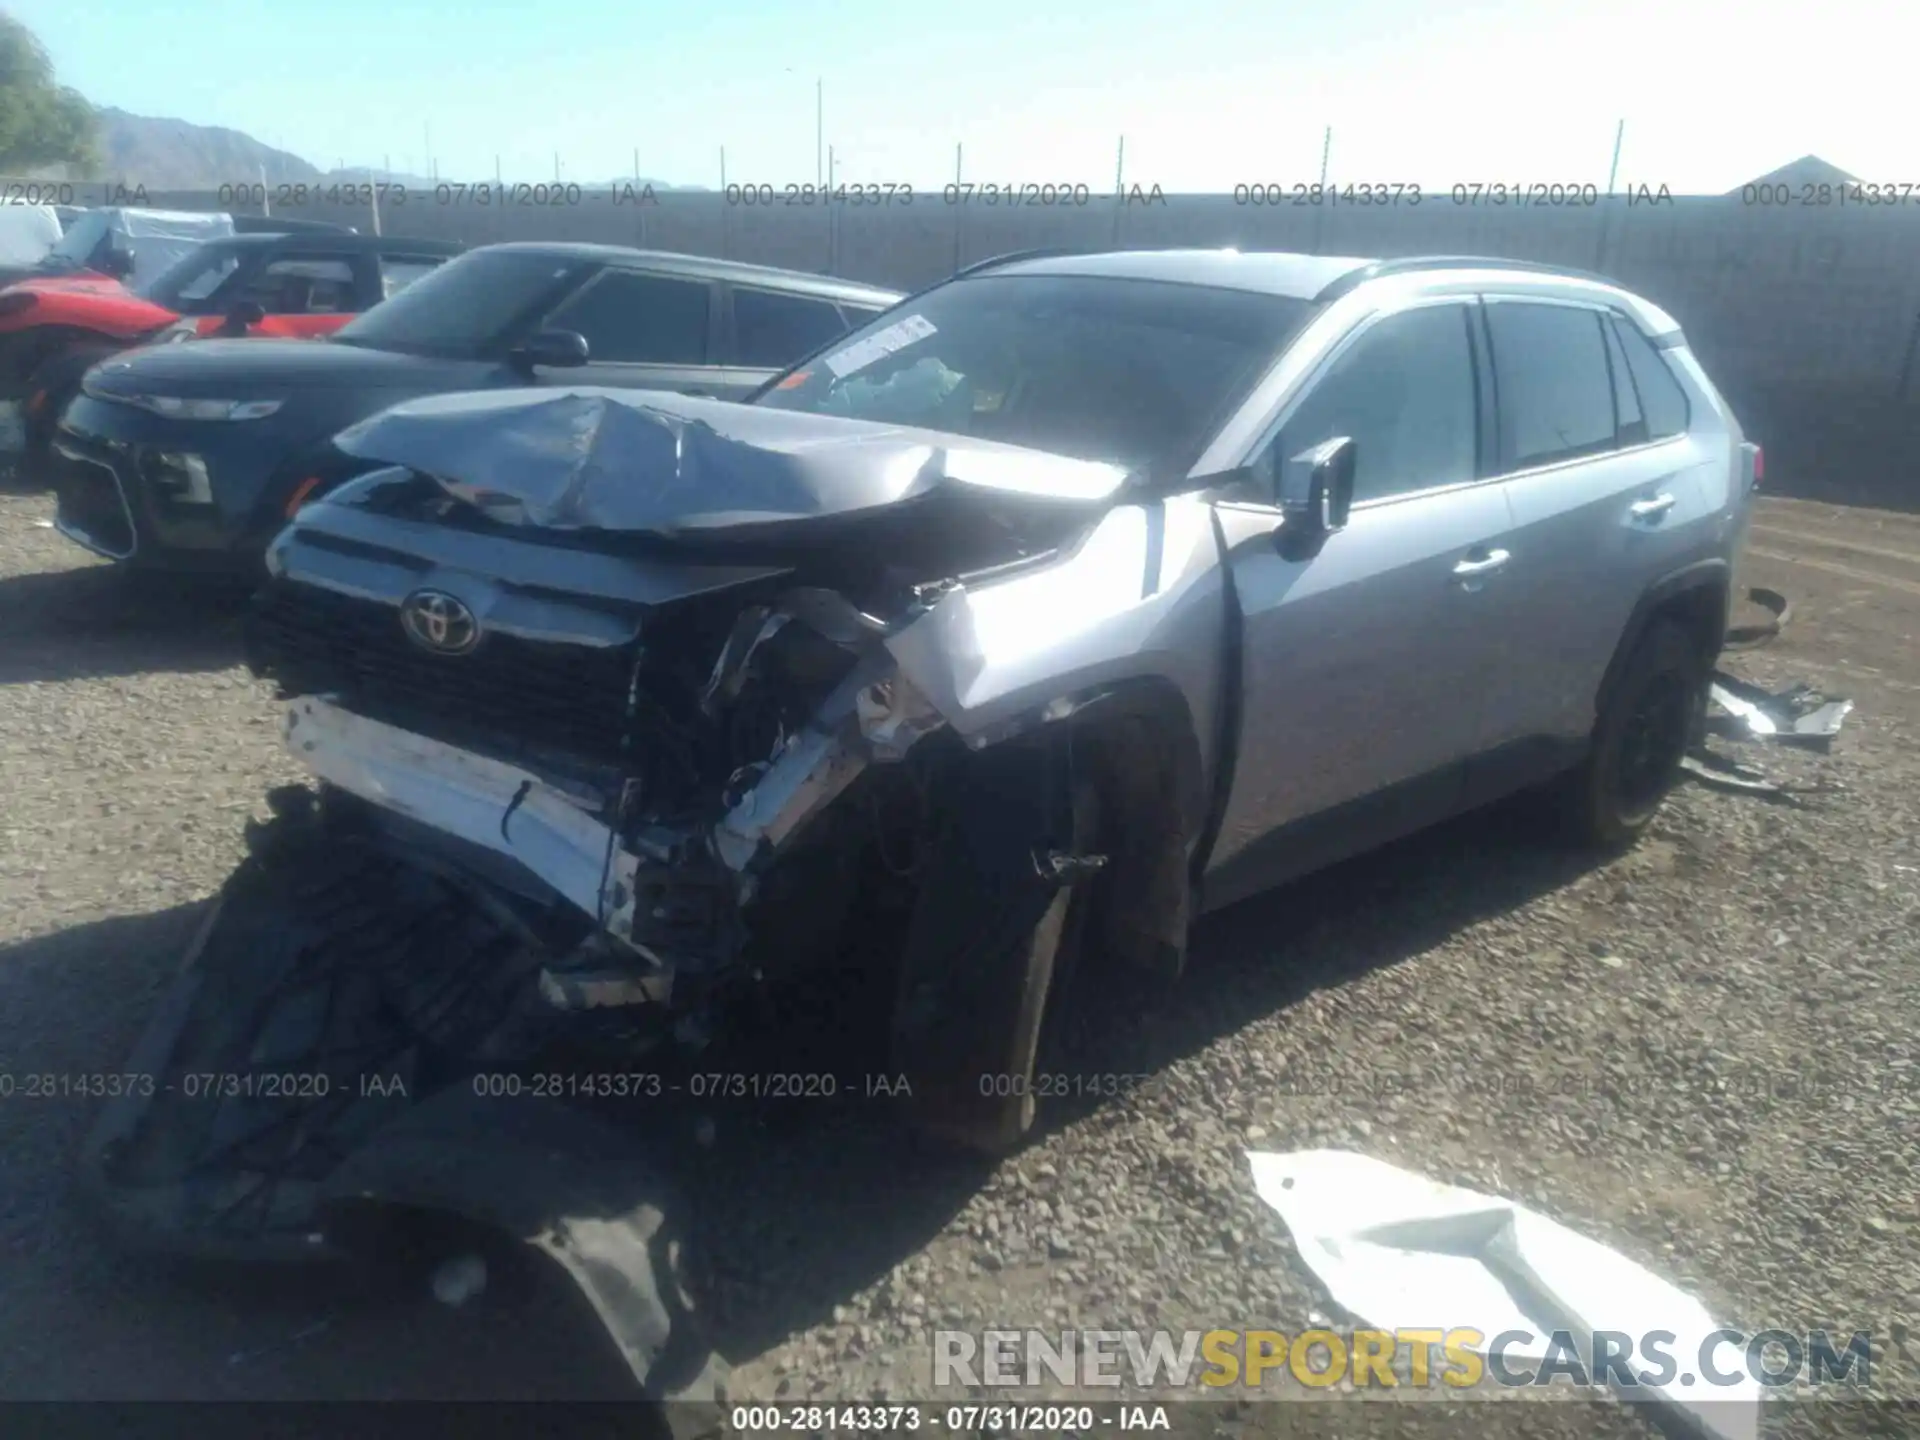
1759 466
301 492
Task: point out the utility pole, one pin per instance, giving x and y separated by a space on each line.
819 129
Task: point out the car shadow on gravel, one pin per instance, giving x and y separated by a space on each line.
93 621
1327 930
795 1207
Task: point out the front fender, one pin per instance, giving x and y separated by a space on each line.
1139 602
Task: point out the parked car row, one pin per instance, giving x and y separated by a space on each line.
85 282
187 458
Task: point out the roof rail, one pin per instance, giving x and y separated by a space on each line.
1038 253
1381 268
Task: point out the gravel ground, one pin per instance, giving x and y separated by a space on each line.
1700 1053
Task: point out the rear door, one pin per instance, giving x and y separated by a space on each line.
767 330
1364 663
1603 487
643 331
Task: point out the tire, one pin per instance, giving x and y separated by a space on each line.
1649 719
990 946
58 380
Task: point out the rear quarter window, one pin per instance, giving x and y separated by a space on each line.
1662 402
1554 387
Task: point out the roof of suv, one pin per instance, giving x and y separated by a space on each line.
704 267
1318 278
1266 272
341 240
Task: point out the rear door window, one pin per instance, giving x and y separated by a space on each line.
302 285
1661 399
633 319
772 330
1554 389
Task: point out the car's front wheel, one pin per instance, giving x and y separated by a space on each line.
1645 725
995 931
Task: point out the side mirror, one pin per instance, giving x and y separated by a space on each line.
1316 490
561 349
117 261
242 317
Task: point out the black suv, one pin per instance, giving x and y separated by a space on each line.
190 457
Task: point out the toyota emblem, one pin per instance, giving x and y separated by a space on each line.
436 621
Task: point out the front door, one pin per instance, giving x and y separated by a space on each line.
643 332
1363 666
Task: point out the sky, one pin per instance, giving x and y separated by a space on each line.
1207 94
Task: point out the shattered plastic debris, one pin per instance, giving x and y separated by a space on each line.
1798 715
1403 1252
458 1280
1725 774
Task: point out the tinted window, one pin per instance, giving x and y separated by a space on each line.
191 281
1136 372
775 330
399 271
1661 398
639 319
1556 398
299 285
472 305
1626 401
1403 393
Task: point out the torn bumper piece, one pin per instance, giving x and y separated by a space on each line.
488 802
873 715
312 1072
1796 716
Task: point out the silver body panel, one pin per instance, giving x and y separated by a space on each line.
1439 625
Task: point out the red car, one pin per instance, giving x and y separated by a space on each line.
54 328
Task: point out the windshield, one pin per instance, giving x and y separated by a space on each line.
467 307
193 278
1133 372
79 242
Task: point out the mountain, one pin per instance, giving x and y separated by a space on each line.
165 154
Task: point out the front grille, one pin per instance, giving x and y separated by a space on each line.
91 507
528 697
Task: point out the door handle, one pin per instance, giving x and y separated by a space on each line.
1650 509
1472 569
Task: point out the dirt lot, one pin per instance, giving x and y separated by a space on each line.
1660 1011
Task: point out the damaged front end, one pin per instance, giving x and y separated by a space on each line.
646 720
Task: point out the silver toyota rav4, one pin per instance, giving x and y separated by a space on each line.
1069 597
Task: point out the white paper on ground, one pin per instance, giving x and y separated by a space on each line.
1403 1252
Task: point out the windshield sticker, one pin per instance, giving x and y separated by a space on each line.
879 345
795 380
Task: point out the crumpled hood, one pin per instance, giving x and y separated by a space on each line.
665 464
